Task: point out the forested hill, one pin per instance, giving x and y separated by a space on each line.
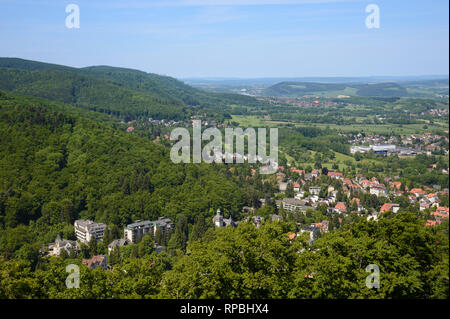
121 92
55 168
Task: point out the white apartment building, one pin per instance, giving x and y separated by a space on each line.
87 229
134 232
379 191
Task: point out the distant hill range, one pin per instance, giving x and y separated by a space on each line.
122 92
328 79
383 89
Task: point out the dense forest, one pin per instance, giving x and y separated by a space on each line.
56 168
247 262
124 93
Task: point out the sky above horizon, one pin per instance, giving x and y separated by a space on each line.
233 38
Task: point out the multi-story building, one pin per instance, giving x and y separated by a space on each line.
292 204
165 224
87 229
134 232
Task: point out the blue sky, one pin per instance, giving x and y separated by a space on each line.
233 38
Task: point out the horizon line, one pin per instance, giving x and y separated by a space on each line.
229 77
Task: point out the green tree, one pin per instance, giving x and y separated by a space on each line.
146 246
199 228
92 246
178 239
289 190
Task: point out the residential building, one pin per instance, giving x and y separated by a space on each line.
282 186
432 222
276 218
389 207
96 261
256 220
373 216
315 173
340 207
220 221
379 190
87 229
69 246
418 192
335 175
315 190
163 223
433 198
134 232
359 207
292 204
117 243
300 195
439 216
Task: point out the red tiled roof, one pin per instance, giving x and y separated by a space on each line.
341 206
417 191
396 184
386 207
442 209
95 260
334 174
437 214
432 222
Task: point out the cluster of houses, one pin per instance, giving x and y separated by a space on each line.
219 221
309 197
385 149
438 112
407 145
163 122
86 230
439 214
312 229
308 102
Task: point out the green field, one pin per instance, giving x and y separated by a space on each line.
250 121
401 129
340 159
